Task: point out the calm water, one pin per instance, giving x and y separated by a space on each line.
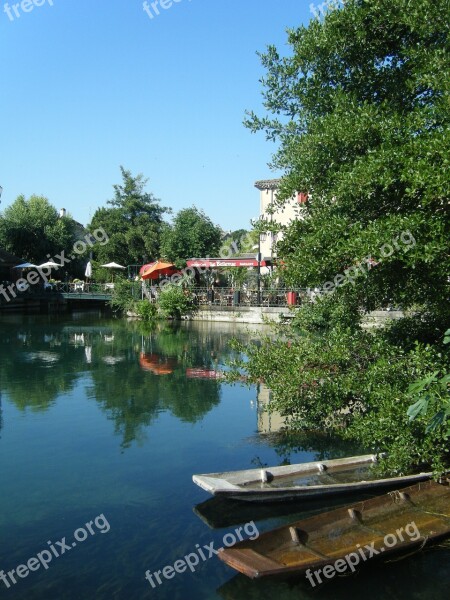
103 417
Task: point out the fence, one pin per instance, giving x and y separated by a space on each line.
79 288
230 297
202 296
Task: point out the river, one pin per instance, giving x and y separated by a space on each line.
102 424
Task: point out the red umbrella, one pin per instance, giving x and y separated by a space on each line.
157 269
145 267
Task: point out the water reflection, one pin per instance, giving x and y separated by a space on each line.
421 577
157 364
199 373
219 513
1 414
132 371
269 420
75 405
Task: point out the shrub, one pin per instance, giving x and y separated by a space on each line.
122 296
146 310
175 301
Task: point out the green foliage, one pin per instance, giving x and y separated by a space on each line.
236 276
32 229
362 116
133 222
240 237
361 113
238 242
352 383
192 235
175 302
327 313
124 295
147 311
432 396
130 397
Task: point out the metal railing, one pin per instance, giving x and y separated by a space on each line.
79 288
230 297
50 292
202 296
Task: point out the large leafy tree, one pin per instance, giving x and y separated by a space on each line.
133 222
360 110
34 230
192 234
362 115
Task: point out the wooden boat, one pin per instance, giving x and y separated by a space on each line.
302 481
398 522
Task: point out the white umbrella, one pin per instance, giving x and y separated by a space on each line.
49 265
113 265
24 266
88 272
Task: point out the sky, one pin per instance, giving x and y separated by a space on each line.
89 85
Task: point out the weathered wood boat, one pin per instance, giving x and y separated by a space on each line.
303 481
399 522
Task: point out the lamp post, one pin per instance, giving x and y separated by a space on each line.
258 258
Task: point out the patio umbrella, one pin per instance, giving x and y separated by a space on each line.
49 265
159 268
145 267
113 265
26 265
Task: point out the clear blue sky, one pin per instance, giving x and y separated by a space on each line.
88 85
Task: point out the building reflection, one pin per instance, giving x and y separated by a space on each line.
269 420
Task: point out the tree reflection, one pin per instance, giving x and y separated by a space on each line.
325 447
1 412
35 368
153 379
131 370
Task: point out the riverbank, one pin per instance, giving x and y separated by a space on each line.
263 314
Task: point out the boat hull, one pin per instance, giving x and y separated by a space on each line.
266 485
422 510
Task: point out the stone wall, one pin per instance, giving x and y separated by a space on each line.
254 314
240 314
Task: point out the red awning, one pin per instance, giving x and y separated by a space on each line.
226 262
